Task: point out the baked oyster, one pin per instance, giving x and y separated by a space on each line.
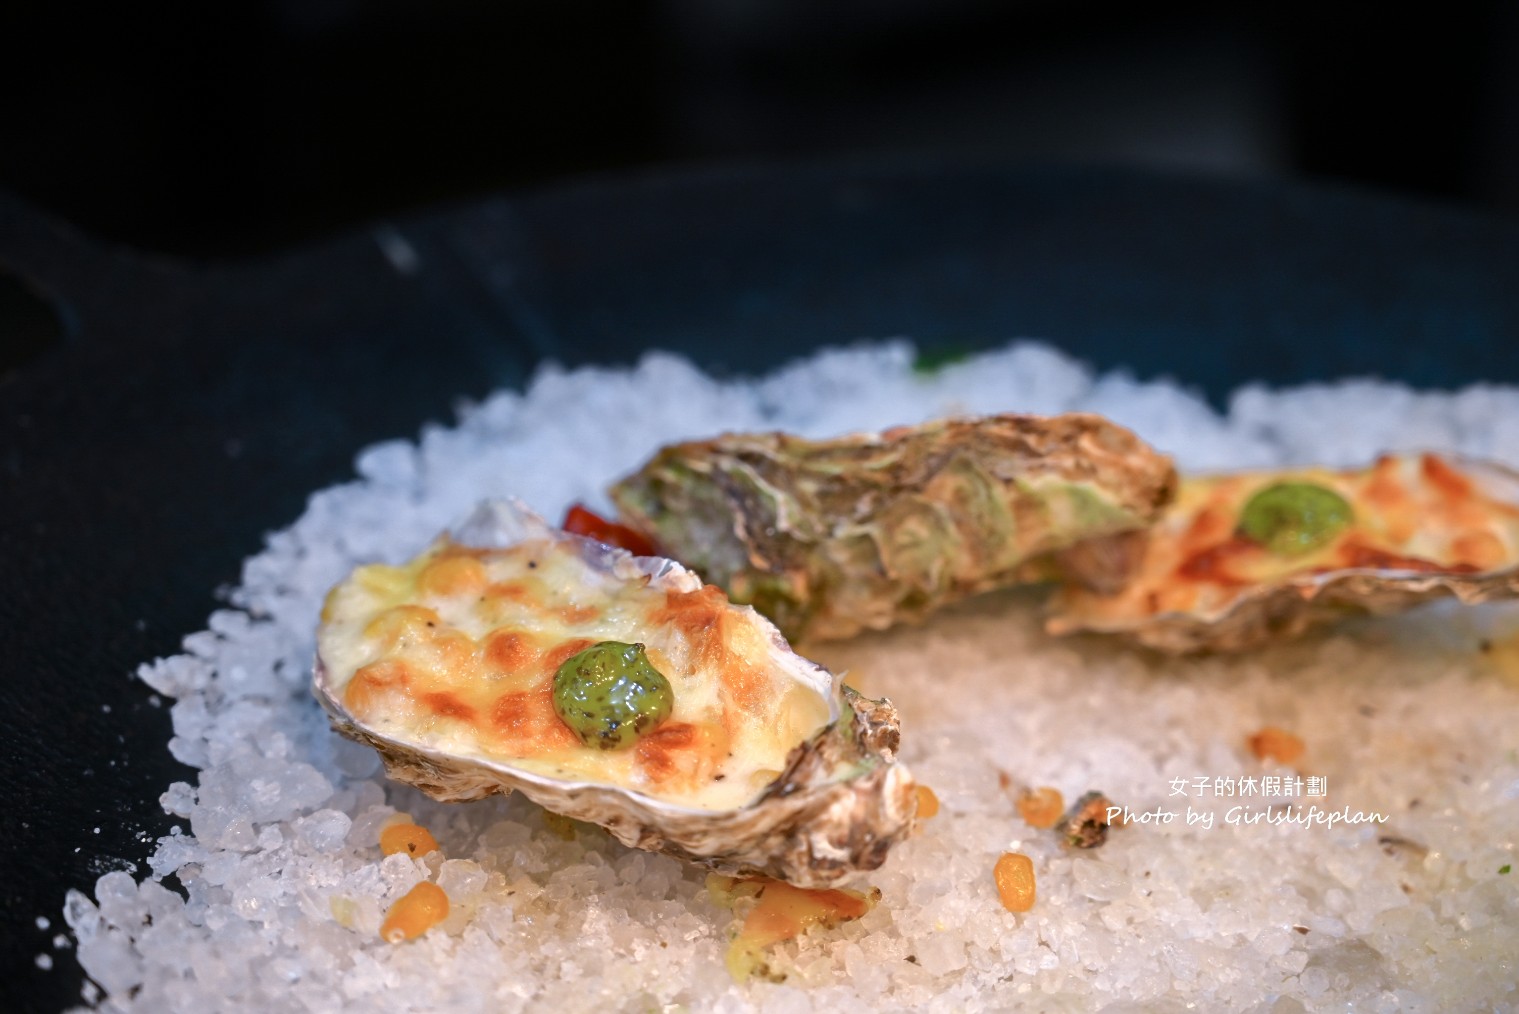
830 537
612 689
1245 558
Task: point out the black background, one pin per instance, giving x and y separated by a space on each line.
225 130
201 324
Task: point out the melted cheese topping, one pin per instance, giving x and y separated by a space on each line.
457 650
1415 513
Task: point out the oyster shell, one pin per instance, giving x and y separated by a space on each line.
1425 526
830 537
767 764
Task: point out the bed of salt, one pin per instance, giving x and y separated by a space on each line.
1406 718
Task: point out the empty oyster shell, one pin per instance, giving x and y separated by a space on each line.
829 537
765 763
1414 528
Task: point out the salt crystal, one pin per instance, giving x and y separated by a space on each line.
215 917
1344 869
81 915
365 830
257 898
109 960
941 953
249 789
324 831
179 799
461 878
174 851
177 676
400 872
1100 881
1313 981
786 1000
1274 940
925 891
116 894
220 868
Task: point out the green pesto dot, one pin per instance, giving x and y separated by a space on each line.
610 695
1294 518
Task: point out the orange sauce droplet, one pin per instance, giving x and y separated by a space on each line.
1041 807
783 912
412 839
1272 743
928 803
1014 874
414 913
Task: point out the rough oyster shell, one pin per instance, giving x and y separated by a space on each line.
838 804
1444 495
830 537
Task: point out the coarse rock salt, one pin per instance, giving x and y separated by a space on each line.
324 831
286 886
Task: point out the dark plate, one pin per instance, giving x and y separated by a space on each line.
190 410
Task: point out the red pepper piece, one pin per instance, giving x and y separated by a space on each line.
593 526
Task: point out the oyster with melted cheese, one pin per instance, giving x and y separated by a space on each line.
613 689
1241 559
831 537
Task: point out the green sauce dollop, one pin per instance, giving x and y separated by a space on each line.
610 695
1294 518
